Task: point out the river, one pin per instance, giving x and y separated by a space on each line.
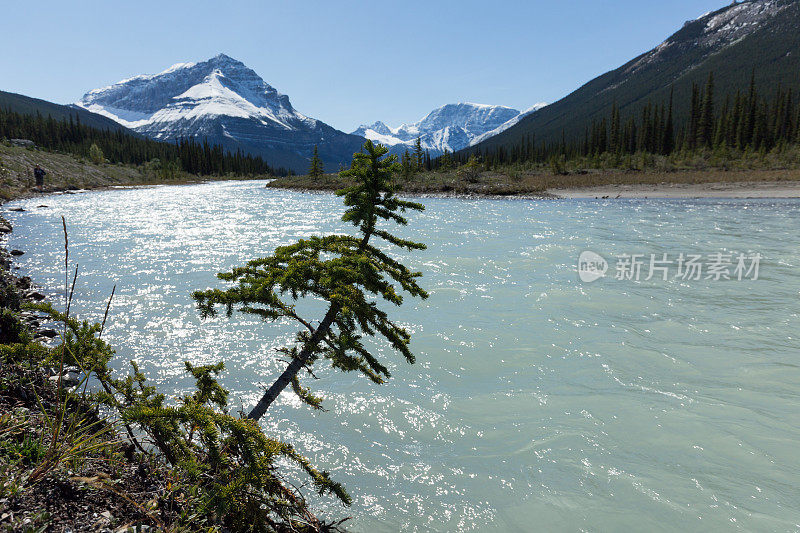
538 401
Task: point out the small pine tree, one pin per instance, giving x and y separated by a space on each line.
797 127
316 168
96 155
445 161
407 167
705 133
343 270
668 140
752 104
694 119
615 130
471 170
418 155
557 165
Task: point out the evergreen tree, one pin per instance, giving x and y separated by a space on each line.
668 140
645 132
705 129
586 147
96 154
316 168
445 161
407 167
752 104
343 270
602 137
722 126
739 122
694 119
786 118
797 127
615 137
418 154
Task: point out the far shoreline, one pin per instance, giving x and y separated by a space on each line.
733 190
600 184
778 189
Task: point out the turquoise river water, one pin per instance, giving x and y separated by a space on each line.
538 402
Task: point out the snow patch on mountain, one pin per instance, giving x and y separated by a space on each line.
503 127
173 68
737 21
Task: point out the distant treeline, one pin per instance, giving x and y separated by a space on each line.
746 121
119 146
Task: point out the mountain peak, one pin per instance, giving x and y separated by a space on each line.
226 101
379 127
224 60
473 118
450 127
218 86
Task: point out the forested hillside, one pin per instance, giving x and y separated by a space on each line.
116 144
757 37
26 105
746 121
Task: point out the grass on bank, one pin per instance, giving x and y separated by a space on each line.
537 178
70 172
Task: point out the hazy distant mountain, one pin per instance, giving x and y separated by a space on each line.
226 102
754 35
450 127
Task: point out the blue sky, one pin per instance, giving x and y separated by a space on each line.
344 62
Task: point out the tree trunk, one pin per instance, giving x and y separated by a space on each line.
298 362
294 367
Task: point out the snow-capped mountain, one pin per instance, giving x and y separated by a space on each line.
223 100
450 127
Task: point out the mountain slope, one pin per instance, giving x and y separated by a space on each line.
25 105
450 127
755 35
226 102
506 125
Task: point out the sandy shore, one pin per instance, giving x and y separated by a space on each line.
743 189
